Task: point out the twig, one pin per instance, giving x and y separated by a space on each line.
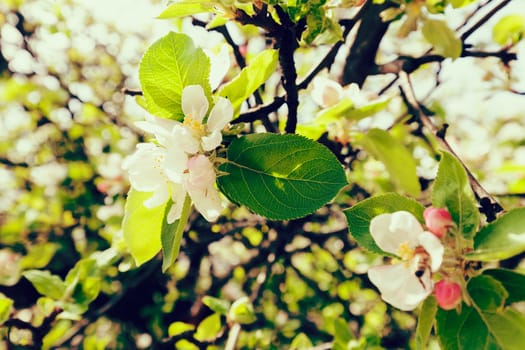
233 337
484 19
486 200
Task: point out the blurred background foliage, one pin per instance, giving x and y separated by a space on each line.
65 127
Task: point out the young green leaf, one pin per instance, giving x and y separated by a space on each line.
512 281
396 158
444 39
250 78
186 8
45 283
280 176
509 30
169 65
171 235
177 328
142 227
209 328
217 305
452 190
6 305
502 238
425 322
300 341
359 216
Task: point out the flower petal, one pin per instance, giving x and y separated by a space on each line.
207 201
143 167
160 127
399 286
434 248
194 102
159 197
178 194
183 138
391 230
175 164
212 141
220 115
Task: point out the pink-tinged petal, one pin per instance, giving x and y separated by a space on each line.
391 230
194 102
212 141
201 173
434 248
220 115
183 138
326 92
178 194
438 220
448 294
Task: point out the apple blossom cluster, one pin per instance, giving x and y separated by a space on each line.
180 162
408 282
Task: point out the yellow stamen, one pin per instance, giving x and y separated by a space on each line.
405 252
195 126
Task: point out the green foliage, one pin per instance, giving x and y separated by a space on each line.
425 321
360 215
6 306
512 281
509 30
250 78
186 8
452 190
294 176
396 158
209 328
171 234
46 283
444 39
142 227
502 238
169 65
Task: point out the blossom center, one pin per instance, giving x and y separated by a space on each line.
197 128
405 251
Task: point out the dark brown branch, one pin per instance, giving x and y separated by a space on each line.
260 112
361 59
484 19
131 92
489 205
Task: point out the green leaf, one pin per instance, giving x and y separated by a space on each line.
45 283
342 333
250 78
425 322
300 341
177 328
183 8
509 30
209 328
6 305
487 293
396 158
142 227
502 238
217 305
460 3
512 281
359 216
242 311
444 39
171 234
169 65
507 328
280 176
452 190
84 280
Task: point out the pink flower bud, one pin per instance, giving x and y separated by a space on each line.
448 294
438 220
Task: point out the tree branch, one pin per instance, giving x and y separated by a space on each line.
484 19
489 205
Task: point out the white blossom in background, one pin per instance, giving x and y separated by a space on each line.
400 233
177 164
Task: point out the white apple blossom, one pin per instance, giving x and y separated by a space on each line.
175 165
400 233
